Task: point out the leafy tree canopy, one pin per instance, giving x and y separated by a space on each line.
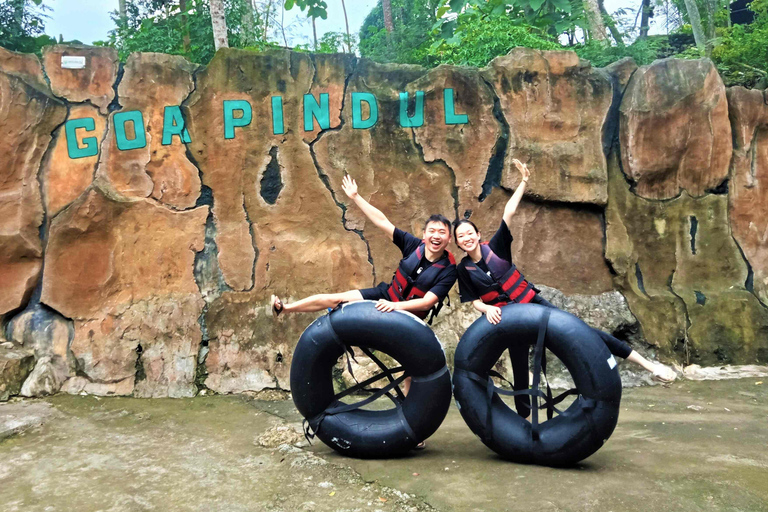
182 28
22 25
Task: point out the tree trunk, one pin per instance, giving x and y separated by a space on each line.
698 31
611 25
711 6
266 21
595 20
314 32
186 41
122 12
249 24
282 27
219 23
386 6
346 22
645 18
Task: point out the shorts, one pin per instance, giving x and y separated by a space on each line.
377 292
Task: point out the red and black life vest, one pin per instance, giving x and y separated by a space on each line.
405 288
510 287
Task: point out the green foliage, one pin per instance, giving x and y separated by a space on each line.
643 51
409 42
742 55
22 23
315 8
330 42
485 37
163 26
553 16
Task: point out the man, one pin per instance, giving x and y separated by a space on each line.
422 281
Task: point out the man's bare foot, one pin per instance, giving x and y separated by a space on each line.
420 446
664 374
277 306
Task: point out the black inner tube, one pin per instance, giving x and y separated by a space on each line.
565 439
371 433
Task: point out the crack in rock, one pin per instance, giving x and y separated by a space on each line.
324 176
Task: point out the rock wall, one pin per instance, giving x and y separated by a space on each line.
150 208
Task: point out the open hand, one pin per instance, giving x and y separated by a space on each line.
385 306
493 315
524 172
349 186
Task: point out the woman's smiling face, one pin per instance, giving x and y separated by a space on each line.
466 237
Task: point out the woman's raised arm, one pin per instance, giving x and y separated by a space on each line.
514 201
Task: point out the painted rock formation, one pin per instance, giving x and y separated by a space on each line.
28 115
276 225
675 133
683 275
555 105
92 81
748 188
169 201
123 271
155 165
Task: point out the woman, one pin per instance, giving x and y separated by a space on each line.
489 279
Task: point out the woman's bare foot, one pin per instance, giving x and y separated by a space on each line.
420 446
277 306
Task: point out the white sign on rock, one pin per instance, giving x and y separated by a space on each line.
72 62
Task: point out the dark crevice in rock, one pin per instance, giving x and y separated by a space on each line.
694 229
271 181
577 207
207 273
115 103
439 162
639 277
7 321
45 222
140 373
253 244
326 180
749 283
201 371
686 347
753 160
496 163
630 333
700 297
720 190
613 117
208 276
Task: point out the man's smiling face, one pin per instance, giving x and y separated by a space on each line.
436 236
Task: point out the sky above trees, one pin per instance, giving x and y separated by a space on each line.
89 20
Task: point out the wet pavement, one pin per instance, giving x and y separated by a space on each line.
695 446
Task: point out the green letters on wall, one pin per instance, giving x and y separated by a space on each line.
418 115
140 137
91 145
451 117
314 111
358 122
173 124
230 121
278 126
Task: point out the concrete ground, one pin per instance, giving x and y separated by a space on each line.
696 446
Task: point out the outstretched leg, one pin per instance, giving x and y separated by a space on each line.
660 372
316 302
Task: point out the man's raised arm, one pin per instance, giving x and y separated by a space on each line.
370 211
